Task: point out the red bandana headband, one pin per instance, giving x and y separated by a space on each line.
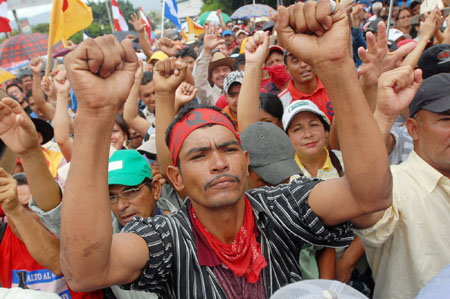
192 121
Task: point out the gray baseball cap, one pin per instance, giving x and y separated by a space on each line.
433 95
271 152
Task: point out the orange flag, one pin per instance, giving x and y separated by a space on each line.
194 27
67 18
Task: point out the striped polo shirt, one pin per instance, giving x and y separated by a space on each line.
284 221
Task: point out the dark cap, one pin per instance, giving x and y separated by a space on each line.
435 60
433 95
44 128
271 152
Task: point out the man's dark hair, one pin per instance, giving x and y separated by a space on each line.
12 85
25 74
21 178
187 51
123 125
238 61
147 78
28 95
182 113
271 104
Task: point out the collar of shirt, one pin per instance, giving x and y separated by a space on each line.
327 166
428 175
298 95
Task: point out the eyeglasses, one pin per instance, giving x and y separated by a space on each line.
129 193
404 17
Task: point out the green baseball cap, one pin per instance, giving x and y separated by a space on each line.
128 168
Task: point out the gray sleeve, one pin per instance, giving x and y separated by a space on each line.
403 144
200 73
51 219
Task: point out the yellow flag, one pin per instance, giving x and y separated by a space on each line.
183 35
193 27
67 18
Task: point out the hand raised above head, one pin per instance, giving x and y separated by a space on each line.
61 83
16 129
101 72
168 74
257 48
36 65
312 33
8 191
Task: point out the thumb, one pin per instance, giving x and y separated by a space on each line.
180 69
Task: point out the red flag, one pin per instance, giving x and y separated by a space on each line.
147 24
119 21
4 21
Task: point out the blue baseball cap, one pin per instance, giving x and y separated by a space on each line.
227 32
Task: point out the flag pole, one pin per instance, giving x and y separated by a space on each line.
388 25
113 29
162 18
51 35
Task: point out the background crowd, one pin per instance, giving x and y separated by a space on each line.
283 112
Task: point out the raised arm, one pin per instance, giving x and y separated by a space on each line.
101 73
256 50
367 186
19 133
396 89
62 117
167 76
138 25
130 109
42 245
47 109
223 26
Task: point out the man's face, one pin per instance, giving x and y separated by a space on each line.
190 61
142 203
147 94
232 96
219 73
259 26
274 58
301 72
27 82
15 92
223 49
135 139
230 25
229 40
240 38
431 134
34 107
213 168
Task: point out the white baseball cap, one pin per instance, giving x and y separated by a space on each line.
299 106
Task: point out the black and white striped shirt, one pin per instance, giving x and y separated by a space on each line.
284 221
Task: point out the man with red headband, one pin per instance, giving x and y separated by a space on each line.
223 242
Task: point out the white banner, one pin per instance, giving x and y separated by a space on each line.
16 4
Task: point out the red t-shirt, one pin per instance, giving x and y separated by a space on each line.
19 269
319 97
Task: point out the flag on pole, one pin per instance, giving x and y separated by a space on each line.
85 34
171 12
147 24
119 21
4 21
194 27
67 18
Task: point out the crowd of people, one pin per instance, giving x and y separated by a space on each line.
312 145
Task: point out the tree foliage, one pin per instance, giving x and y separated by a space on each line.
229 6
40 28
100 13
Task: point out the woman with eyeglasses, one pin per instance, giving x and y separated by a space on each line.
402 21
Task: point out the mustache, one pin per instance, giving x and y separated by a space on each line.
209 183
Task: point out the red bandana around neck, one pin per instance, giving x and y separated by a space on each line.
243 256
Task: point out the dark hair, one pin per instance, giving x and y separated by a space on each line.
21 178
271 104
187 51
28 95
25 74
238 61
400 10
148 182
230 21
147 78
123 125
182 113
12 85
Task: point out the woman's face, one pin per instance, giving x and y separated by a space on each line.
307 134
118 137
403 19
267 117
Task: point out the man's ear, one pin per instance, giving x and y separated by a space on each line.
156 189
174 175
413 128
247 161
